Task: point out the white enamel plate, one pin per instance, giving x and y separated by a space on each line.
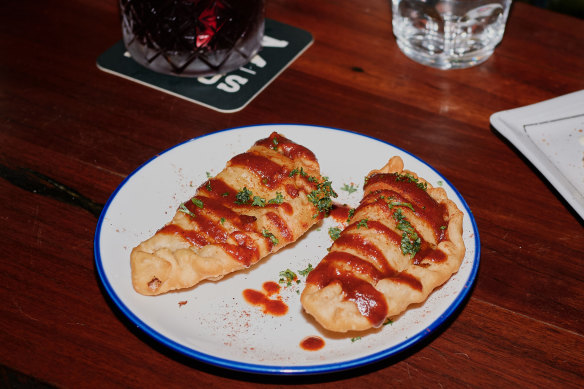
212 322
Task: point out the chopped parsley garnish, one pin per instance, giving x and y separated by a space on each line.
349 188
225 194
334 233
197 202
355 339
321 196
440 183
208 186
388 321
243 196
258 201
362 223
305 272
295 171
274 143
410 242
287 276
271 236
400 204
222 220
409 178
183 208
279 199
351 213
208 174
442 227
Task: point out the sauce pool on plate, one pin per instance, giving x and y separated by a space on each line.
274 307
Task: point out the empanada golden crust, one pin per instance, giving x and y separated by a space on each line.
261 201
403 240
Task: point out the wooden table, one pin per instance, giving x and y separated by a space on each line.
71 133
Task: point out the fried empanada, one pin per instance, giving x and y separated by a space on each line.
263 200
403 240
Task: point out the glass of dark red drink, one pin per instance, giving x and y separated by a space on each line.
192 38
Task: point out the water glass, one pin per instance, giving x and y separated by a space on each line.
449 34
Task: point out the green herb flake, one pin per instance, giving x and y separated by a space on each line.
271 236
301 171
409 178
274 143
388 321
243 196
208 186
183 208
351 213
222 220
279 199
197 202
208 174
321 196
400 204
349 188
362 223
305 272
440 183
258 201
353 340
225 194
443 227
287 276
410 242
334 233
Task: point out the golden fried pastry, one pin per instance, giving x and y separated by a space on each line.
404 240
263 200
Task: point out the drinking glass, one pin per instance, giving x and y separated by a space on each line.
192 38
449 34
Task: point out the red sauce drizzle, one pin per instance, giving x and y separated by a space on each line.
246 222
292 191
245 251
365 248
379 228
425 206
406 278
270 173
214 232
342 267
428 253
369 300
219 190
287 208
274 307
340 213
286 147
312 343
193 237
281 224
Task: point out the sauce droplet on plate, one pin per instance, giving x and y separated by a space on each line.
312 343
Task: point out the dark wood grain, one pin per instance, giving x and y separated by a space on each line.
70 134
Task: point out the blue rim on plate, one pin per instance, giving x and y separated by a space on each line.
283 369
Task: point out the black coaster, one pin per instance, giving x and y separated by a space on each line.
231 92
